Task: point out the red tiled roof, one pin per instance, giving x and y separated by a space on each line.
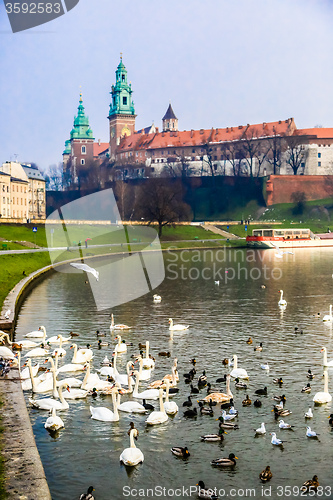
321 133
197 137
100 148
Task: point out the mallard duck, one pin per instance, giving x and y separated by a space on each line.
206 493
188 402
257 403
239 384
278 381
72 334
191 413
93 393
88 495
211 389
225 361
227 425
102 344
204 410
247 401
136 433
142 346
193 361
180 452
225 462
249 341
281 413
202 380
261 392
306 388
214 437
166 354
279 398
266 474
281 404
311 484
99 334
330 419
310 375
258 347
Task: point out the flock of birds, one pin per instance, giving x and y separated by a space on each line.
140 368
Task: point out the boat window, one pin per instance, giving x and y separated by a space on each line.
297 232
289 233
306 231
268 232
258 232
278 232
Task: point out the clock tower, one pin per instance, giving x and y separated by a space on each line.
121 114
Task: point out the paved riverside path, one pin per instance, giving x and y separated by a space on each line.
221 232
24 474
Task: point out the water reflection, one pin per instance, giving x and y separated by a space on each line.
221 319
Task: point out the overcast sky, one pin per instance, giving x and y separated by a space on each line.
221 63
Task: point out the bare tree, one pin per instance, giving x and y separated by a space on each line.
178 167
161 201
233 153
251 149
276 146
126 197
296 153
55 177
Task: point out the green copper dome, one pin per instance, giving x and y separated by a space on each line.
81 128
121 93
68 149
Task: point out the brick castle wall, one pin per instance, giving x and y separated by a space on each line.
280 188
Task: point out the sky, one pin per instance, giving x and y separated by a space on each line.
220 63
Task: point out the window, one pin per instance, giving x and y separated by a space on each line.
125 101
123 77
83 150
83 161
4 212
3 188
319 155
4 200
319 163
7 189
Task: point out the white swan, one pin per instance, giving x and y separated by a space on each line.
37 334
169 406
131 456
158 417
38 352
81 355
106 371
147 394
119 326
121 347
25 344
59 350
121 378
6 353
282 302
143 374
56 339
130 406
92 380
157 299
328 317
325 362
30 382
54 422
71 367
177 327
147 362
238 372
104 414
25 373
49 403
324 396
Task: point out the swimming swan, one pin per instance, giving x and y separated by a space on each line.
324 396
158 417
131 456
238 372
177 327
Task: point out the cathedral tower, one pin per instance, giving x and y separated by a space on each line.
170 120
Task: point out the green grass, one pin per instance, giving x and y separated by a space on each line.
173 233
23 232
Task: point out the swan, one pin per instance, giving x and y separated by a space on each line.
121 378
49 403
220 397
71 367
238 372
177 327
56 339
81 355
131 456
37 334
59 350
121 346
130 406
158 417
147 394
328 317
325 362
104 414
92 380
6 353
143 374
37 352
54 423
282 302
106 371
25 344
157 299
25 373
147 361
162 383
31 382
324 396
169 406
119 326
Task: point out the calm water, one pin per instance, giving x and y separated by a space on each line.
221 318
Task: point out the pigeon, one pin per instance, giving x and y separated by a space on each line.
86 268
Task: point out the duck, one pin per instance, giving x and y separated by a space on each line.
193 361
72 334
238 372
202 380
311 484
325 362
136 433
310 433
177 327
225 361
225 462
165 354
282 302
188 402
88 495
258 347
310 375
279 398
191 413
157 299
158 417
131 456
323 396
281 413
102 343
54 422
261 392
328 317
330 419
278 381
276 441
257 403
206 493
214 437
211 389
204 410
220 397
284 425
308 414
306 388
239 384
119 326
266 474
180 452
221 379
227 425
247 401
249 341
261 430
